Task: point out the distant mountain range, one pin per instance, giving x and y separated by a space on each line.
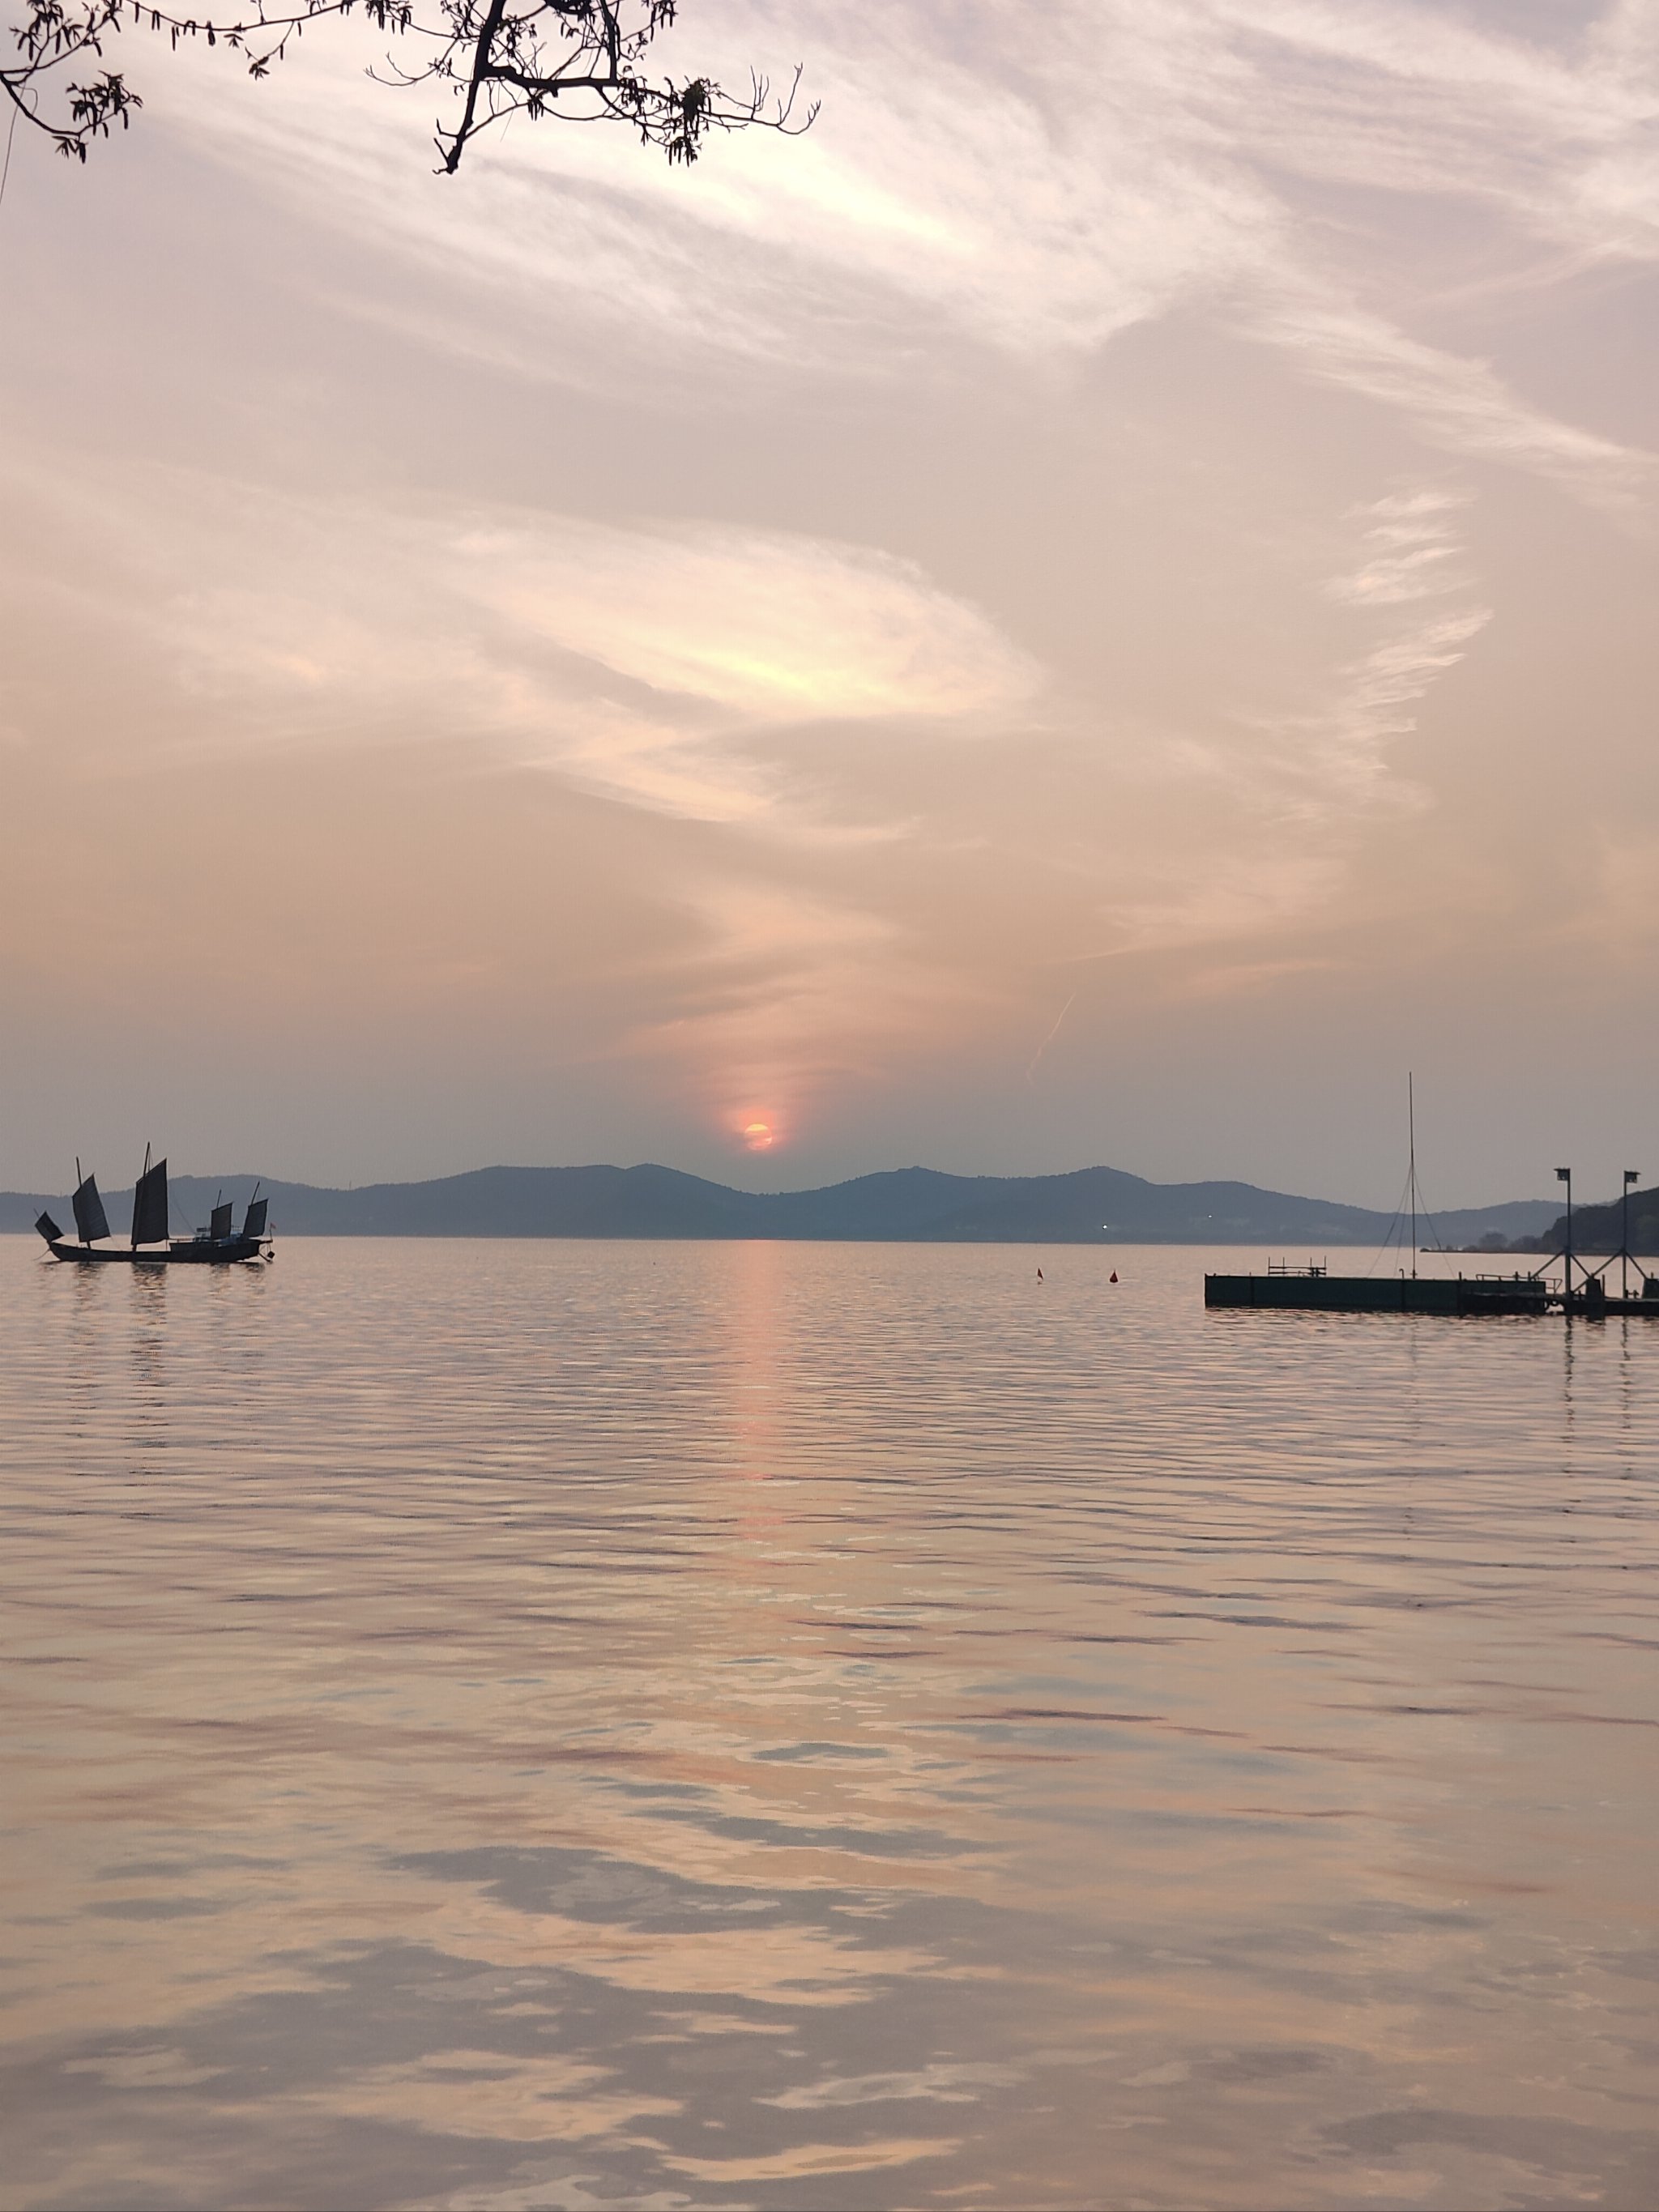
1091 1205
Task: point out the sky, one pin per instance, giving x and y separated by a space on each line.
1096 608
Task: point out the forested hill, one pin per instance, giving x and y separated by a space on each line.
1091 1205
1598 1228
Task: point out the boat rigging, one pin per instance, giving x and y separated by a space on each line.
152 1244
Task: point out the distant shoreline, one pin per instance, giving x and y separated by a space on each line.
1096 1205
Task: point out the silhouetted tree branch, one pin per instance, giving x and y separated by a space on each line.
582 59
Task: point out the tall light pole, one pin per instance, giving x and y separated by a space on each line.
1565 1174
1624 1235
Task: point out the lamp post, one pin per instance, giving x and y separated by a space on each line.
1565 1174
1624 1235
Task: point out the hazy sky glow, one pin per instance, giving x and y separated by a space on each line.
1096 608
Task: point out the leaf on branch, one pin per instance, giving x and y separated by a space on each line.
503 57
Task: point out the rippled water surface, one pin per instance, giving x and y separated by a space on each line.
500 1725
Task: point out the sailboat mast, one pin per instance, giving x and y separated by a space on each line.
1411 1152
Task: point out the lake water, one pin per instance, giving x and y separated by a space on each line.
574 1725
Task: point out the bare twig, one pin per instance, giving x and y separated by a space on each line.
579 58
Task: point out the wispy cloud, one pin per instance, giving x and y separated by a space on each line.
765 625
1412 559
1040 188
1304 783
648 663
1458 404
1023 527
1412 549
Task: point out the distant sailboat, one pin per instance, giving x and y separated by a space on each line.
151 1243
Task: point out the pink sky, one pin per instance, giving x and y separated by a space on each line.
1098 608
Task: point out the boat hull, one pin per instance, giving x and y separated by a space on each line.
198 1252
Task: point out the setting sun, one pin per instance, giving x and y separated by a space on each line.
757 1136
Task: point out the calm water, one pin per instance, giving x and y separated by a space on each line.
597 1725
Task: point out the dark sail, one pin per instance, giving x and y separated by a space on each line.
255 1223
49 1228
219 1222
150 1205
90 1221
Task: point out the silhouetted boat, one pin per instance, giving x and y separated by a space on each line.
220 1244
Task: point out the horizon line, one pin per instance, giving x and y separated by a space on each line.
915 1167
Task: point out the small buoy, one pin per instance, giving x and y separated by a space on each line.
1114 1274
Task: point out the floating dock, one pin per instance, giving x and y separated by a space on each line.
1314 1289
1581 1289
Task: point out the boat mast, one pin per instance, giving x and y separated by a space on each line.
1410 1145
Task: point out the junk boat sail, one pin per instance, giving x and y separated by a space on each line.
220 1244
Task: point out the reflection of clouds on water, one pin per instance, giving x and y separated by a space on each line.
949 2084
1108 1743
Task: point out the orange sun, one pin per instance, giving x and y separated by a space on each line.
757 1136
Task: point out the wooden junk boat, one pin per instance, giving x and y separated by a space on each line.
151 1245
